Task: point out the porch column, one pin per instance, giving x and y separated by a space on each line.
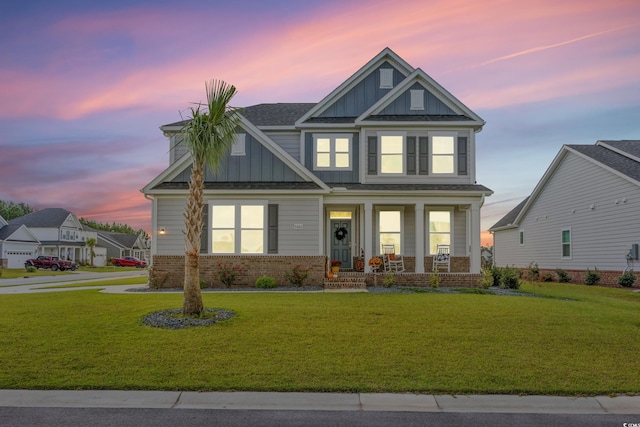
474 250
419 238
368 235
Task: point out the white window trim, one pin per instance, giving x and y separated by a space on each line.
238 148
454 135
386 78
417 99
332 151
570 243
379 209
238 225
427 211
521 237
404 152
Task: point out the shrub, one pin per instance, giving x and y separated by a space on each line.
591 277
546 277
389 280
227 274
203 284
496 272
533 272
563 276
627 279
266 282
297 275
487 278
31 269
510 278
434 279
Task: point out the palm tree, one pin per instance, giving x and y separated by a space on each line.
91 242
208 135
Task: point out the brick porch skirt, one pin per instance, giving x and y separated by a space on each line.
168 271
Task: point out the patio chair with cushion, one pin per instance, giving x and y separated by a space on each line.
442 258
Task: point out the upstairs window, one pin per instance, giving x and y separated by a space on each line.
442 154
332 152
392 154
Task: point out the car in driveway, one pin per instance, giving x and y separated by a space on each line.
129 261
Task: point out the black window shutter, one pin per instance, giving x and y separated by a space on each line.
204 237
272 231
462 155
423 155
372 150
411 155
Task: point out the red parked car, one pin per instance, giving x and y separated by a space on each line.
129 261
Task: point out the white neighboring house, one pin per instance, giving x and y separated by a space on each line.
120 245
17 244
583 214
61 234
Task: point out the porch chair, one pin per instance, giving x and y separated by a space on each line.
392 261
442 258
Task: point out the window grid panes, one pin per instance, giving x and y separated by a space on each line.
390 226
566 243
439 230
223 229
332 152
391 154
443 151
237 229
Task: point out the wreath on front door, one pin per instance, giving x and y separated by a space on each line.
341 233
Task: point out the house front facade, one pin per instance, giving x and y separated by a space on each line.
583 214
388 157
17 245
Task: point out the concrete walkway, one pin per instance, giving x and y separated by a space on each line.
321 401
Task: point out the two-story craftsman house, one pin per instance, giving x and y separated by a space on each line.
386 157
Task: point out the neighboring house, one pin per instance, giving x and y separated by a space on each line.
120 245
583 214
389 156
487 255
17 244
60 234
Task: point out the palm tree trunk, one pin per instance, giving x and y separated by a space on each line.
192 303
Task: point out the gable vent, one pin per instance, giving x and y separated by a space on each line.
386 78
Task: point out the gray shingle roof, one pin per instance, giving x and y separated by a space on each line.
126 240
618 162
511 216
276 114
631 147
49 217
414 187
8 230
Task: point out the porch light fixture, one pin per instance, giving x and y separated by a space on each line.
162 231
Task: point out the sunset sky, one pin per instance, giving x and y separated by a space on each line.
85 85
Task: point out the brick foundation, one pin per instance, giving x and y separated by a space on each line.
453 280
607 277
168 270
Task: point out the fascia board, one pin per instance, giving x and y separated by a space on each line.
395 124
169 173
307 126
618 151
3 221
386 54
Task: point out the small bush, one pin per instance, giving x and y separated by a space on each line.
627 279
496 272
487 278
510 278
31 269
203 284
227 274
591 277
297 276
434 280
533 272
266 282
389 280
546 277
563 276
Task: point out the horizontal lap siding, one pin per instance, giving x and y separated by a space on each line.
305 211
600 237
170 216
459 233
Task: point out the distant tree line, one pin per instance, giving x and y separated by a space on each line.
10 210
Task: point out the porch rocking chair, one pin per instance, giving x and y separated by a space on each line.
442 258
393 263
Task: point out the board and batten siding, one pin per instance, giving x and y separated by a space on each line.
402 104
600 236
363 95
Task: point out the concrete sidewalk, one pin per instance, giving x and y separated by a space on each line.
321 401
35 284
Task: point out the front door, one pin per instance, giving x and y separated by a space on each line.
341 241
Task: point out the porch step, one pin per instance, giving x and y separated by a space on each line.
346 280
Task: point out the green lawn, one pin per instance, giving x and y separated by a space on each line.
14 273
430 343
139 280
